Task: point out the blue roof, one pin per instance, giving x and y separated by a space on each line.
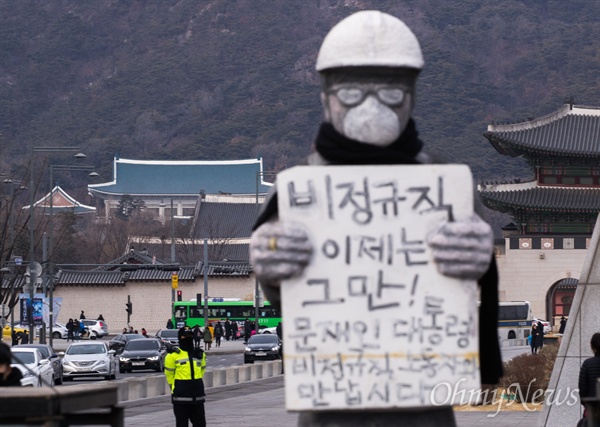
189 177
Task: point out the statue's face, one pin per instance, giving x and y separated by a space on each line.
370 105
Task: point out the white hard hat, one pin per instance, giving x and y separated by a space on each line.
370 38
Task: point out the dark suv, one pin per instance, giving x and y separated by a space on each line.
168 337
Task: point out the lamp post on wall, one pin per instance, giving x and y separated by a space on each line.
32 268
259 176
51 245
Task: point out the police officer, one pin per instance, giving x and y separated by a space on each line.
184 369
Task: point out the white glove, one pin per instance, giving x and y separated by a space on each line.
279 251
463 249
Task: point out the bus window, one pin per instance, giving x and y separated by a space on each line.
181 312
196 312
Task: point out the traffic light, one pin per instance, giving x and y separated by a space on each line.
198 300
129 308
178 295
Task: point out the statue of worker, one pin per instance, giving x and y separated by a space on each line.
369 64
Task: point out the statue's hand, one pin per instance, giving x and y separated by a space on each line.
279 251
463 249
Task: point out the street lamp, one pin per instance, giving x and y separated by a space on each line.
51 244
32 268
259 176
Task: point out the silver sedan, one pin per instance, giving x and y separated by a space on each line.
89 359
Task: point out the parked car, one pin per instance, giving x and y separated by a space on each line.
98 328
144 353
271 330
119 341
168 337
36 370
59 331
49 354
262 347
89 359
547 327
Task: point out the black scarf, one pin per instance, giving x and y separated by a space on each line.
340 150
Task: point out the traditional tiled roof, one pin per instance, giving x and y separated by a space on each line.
226 220
228 268
61 202
104 278
218 251
545 198
180 178
132 257
571 130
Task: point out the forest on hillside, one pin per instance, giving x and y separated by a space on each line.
231 79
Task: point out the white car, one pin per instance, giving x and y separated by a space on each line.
272 330
36 370
98 328
89 359
58 331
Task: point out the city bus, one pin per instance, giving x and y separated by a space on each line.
514 319
187 313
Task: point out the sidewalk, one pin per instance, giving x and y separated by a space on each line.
262 403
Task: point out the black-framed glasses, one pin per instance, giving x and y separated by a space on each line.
351 96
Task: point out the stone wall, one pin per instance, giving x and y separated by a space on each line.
151 300
527 274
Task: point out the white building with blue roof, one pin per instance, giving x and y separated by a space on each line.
188 183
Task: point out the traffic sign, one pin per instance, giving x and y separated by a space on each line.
174 281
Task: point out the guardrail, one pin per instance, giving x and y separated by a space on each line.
134 388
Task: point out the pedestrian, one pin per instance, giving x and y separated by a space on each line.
247 330
144 333
82 315
70 334
533 341
540 331
25 337
207 337
218 334
227 329
15 338
125 331
76 329
131 331
234 330
589 374
563 325
279 331
9 376
169 324
100 317
184 370
83 330
197 335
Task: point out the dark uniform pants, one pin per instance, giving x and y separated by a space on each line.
194 413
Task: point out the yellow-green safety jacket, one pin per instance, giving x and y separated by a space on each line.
178 371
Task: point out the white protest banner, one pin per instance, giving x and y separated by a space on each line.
371 323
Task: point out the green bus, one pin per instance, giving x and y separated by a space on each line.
187 313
